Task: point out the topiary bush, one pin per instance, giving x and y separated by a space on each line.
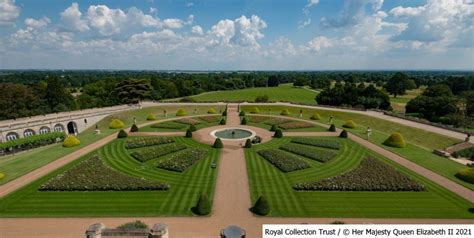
211 111
315 116
2 175
344 134
224 114
181 112
261 207
466 175
248 143
192 128
189 133
278 133
350 124
273 128
71 141
218 144
332 128
285 112
255 110
395 140
122 134
241 113
203 206
116 124
134 128
222 121
151 117
244 121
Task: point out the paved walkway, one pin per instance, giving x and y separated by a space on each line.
231 201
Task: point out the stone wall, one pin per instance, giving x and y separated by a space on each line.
99 230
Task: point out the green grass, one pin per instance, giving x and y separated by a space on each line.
285 92
265 179
420 143
20 164
399 103
199 126
185 189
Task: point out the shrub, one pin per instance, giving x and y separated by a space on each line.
192 128
261 206
181 112
262 98
273 128
248 144
371 175
152 152
133 225
95 175
278 133
243 121
116 124
71 141
309 152
284 161
203 206
395 140
285 112
329 144
315 116
242 113
343 134
350 124
151 117
466 175
183 160
466 153
222 121
134 128
218 144
211 111
255 110
332 128
224 113
122 134
2 175
31 142
138 142
189 133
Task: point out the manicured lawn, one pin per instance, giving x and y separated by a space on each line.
15 166
421 143
183 194
285 92
265 179
184 127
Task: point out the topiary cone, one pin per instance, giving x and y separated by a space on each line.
244 121
350 124
134 128
189 133
203 206
395 140
218 144
122 134
261 207
71 141
248 143
332 128
278 133
273 128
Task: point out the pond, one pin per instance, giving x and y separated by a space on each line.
233 134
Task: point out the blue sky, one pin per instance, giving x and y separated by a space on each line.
234 35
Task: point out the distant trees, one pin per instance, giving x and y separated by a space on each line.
398 84
273 81
133 90
354 96
435 103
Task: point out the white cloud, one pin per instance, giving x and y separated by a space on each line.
319 43
197 30
153 10
189 4
9 12
71 19
306 10
406 11
353 13
42 22
173 23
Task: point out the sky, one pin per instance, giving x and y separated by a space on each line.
237 35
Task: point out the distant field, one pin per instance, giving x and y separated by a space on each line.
399 103
285 92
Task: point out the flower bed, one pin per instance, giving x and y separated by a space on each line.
371 175
94 175
277 121
148 153
295 125
188 121
169 125
139 142
209 119
31 142
258 119
283 161
309 152
330 144
183 160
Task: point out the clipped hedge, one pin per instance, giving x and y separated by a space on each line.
350 124
255 110
466 175
222 121
343 134
151 117
315 116
211 111
278 133
243 121
203 206
138 142
71 141
329 144
241 113
248 144
95 175
31 142
181 112
218 144
169 125
183 160
116 124
2 175
261 207
134 128
285 112
283 161
309 152
189 133
332 128
466 153
273 128
152 152
395 140
122 134
133 225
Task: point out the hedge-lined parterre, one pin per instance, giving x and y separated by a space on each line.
183 159
310 152
139 142
283 161
31 142
330 144
152 152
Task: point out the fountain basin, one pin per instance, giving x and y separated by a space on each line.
233 134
